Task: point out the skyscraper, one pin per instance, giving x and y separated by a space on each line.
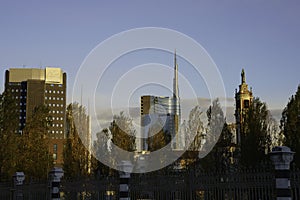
164 111
33 87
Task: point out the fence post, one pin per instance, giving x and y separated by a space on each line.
54 180
18 179
281 157
125 168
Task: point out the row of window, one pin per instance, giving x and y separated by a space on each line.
55 98
46 91
54 91
52 85
55 132
58 118
57 125
56 111
17 97
17 90
56 105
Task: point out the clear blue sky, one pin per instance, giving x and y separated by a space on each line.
261 36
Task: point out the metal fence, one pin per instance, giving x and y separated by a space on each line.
247 184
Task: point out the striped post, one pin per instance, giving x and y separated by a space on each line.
282 157
18 179
55 175
125 168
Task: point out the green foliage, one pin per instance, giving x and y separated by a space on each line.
219 140
290 125
33 154
220 157
8 136
255 138
76 155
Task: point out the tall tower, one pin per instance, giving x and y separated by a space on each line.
176 114
159 108
243 99
175 79
32 87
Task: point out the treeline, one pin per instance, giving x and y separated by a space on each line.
29 152
26 151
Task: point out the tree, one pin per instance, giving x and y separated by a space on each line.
290 125
218 140
76 154
216 120
101 150
193 129
220 157
123 132
159 137
122 138
255 137
33 155
8 137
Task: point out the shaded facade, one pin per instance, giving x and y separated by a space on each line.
32 87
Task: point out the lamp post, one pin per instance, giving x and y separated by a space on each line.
281 157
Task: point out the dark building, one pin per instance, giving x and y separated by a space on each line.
33 87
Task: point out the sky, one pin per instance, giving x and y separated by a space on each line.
263 37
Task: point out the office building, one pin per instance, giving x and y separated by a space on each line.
32 87
161 111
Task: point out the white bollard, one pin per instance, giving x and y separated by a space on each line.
18 179
125 168
55 176
282 156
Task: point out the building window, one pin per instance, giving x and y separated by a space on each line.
55 156
246 104
55 148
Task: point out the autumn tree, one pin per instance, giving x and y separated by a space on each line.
34 157
290 125
102 153
76 154
123 132
255 138
158 137
193 129
8 135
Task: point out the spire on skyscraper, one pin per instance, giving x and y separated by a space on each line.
175 80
